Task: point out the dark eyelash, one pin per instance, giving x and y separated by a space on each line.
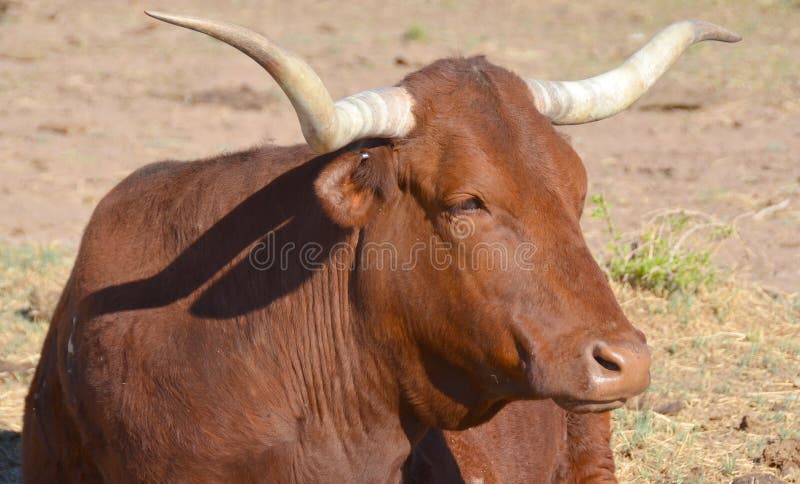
470 205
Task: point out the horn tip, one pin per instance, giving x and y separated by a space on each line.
167 17
708 31
154 14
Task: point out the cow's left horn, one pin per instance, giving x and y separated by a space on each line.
576 102
380 113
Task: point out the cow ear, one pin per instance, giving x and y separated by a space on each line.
353 185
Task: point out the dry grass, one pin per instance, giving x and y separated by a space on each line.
30 282
732 354
726 353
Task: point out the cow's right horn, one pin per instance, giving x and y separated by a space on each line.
379 113
577 102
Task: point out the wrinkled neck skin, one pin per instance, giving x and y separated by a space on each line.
343 394
337 356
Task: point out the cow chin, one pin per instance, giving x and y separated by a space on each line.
588 406
573 399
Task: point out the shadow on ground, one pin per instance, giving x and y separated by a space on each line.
10 456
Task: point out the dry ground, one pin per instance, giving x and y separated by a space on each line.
91 90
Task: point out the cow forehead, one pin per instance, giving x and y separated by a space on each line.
471 93
478 126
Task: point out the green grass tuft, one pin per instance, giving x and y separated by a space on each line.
416 32
661 258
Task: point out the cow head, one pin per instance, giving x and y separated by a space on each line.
468 203
472 256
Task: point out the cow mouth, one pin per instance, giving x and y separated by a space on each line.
534 379
590 406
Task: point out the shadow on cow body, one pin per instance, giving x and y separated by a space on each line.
276 209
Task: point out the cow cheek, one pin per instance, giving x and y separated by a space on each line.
479 321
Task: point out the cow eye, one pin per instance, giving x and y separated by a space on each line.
470 204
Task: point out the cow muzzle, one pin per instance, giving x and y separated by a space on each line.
616 372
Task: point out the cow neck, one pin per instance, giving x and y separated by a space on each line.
346 398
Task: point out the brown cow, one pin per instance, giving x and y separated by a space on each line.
309 313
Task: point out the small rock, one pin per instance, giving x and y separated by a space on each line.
783 455
670 408
757 478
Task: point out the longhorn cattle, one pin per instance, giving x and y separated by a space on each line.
311 313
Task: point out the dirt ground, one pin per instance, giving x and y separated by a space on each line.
92 90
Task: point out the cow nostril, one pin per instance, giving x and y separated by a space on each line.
625 369
608 358
608 365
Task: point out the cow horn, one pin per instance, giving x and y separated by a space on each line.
326 126
576 102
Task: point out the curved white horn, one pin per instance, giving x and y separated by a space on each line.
576 102
379 113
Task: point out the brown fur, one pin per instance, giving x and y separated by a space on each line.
525 442
172 358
